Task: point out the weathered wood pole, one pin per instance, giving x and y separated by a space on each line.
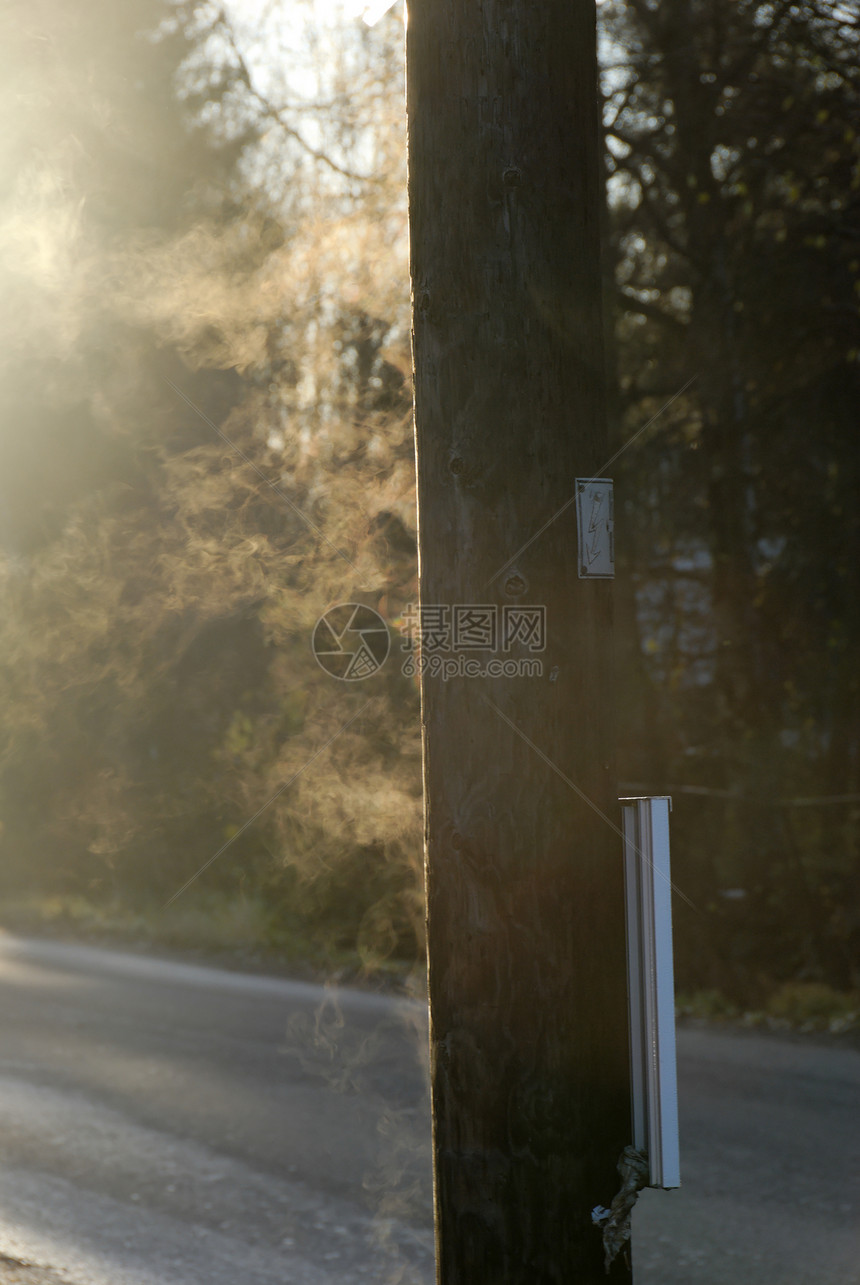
524 878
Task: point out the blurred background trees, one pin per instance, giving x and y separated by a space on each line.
207 442
734 181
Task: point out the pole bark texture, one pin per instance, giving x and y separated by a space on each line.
525 903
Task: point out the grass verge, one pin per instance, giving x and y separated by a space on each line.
240 932
791 1006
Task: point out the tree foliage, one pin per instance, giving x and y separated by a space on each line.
207 442
735 188
223 386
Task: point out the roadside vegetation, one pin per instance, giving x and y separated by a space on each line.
206 443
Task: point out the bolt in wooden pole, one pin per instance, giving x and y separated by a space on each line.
524 878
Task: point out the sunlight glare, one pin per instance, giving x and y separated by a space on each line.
370 11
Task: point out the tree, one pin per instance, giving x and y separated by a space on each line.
158 679
734 183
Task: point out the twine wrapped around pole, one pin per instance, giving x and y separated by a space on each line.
615 1221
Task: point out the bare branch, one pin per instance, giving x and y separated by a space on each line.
277 114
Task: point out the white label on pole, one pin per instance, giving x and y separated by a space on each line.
595 524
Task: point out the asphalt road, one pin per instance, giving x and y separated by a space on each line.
167 1124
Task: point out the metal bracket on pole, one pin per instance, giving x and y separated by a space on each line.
651 986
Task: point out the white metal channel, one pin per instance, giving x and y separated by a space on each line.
651 986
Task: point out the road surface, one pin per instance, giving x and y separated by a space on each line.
169 1124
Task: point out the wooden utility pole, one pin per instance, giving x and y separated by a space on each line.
525 897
